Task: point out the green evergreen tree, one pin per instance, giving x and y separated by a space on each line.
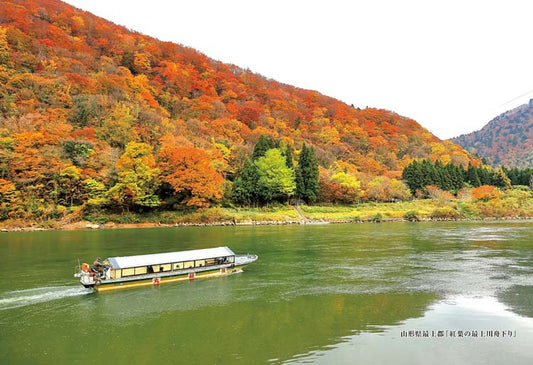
472 176
412 175
302 161
485 176
307 175
419 174
312 176
428 174
524 177
511 174
264 144
288 157
245 187
444 179
456 177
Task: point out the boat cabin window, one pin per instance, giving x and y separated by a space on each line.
140 270
199 263
128 272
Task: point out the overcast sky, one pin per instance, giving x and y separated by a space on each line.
451 65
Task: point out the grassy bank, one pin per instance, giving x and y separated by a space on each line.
512 204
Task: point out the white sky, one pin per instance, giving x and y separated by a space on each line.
451 65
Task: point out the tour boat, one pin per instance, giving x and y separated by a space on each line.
161 268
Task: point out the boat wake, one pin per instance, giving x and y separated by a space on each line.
22 298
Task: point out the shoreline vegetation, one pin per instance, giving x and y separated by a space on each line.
511 206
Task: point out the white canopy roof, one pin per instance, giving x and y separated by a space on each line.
169 257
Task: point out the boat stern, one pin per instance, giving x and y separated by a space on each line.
86 276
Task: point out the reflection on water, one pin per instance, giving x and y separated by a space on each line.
324 294
458 330
486 234
519 298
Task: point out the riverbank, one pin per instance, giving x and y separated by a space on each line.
512 207
86 225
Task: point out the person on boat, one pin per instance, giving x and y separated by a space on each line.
98 266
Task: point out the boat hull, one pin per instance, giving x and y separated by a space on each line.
160 280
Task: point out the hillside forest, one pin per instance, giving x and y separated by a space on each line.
507 140
98 118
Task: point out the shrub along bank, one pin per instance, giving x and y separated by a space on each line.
470 204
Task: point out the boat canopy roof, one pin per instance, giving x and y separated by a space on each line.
169 257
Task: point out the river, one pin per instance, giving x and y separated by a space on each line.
389 293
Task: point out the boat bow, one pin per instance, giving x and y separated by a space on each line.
241 260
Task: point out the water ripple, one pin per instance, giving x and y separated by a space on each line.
22 298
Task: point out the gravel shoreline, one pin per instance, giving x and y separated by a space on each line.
86 225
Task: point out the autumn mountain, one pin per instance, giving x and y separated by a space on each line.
76 90
506 140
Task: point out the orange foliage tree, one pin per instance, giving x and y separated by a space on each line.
485 193
188 170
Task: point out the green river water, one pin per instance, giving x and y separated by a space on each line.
390 293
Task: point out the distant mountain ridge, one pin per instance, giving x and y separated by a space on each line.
506 140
